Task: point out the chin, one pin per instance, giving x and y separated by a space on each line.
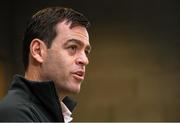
72 89
75 90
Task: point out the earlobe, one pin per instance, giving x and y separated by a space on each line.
37 50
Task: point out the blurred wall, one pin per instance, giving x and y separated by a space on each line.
134 72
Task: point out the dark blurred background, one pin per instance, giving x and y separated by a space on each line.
134 74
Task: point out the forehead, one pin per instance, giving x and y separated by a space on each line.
64 32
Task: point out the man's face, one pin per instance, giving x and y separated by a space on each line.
67 58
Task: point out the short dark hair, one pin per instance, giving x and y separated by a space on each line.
42 25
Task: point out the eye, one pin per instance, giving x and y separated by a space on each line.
72 48
87 52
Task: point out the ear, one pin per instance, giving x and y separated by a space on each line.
38 50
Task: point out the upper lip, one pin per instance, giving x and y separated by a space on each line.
79 73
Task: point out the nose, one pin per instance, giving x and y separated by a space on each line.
82 59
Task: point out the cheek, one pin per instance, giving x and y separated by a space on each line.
59 62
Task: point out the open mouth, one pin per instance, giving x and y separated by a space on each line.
79 75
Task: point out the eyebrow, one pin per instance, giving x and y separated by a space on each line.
88 47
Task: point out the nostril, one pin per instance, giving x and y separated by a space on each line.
79 61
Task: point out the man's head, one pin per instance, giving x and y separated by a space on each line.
56 45
42 25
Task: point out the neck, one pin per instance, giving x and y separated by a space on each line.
61 95
33 74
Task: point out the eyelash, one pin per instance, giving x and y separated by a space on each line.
87 53
73 49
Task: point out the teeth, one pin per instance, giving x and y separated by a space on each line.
80 74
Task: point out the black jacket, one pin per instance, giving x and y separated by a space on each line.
32 101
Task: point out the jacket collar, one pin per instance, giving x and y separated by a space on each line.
45 92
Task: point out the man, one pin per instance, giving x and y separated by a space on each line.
55 53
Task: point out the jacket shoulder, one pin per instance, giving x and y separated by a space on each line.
15 113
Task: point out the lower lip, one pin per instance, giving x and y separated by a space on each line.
80 78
